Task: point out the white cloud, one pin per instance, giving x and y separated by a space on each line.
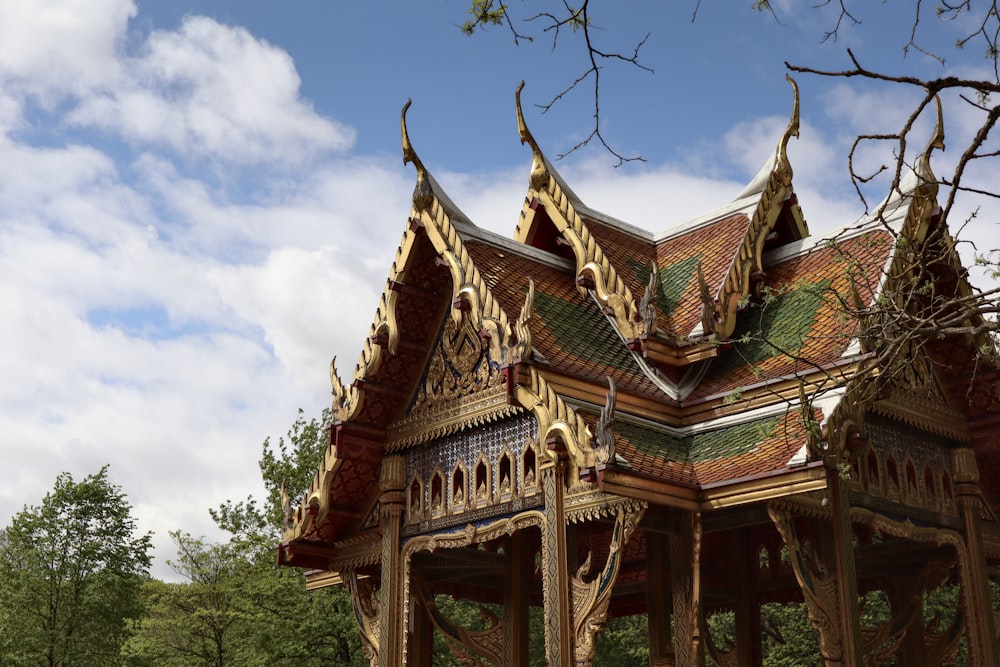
213 90
54 48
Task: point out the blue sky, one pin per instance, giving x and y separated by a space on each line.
200 201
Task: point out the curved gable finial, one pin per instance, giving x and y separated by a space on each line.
422 192
923 166
539 173
782 167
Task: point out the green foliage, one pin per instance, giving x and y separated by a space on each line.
624 642
236 607
70 573
292 463
484 12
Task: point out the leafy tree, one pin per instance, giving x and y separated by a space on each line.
236 606
70 573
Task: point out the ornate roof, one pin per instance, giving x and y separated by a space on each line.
728 341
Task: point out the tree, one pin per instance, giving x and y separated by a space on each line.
70 573
235 606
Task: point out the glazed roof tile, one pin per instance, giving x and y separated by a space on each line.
799 325
761 445
568 329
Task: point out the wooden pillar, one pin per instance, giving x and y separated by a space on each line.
903 593
746 610
685 575
420 647
392 636
844 567
658 606
978 599
555 569
516 603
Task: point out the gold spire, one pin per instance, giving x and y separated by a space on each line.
923 165
782 167
422 192
539 173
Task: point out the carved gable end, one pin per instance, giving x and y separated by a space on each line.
462 385
915 397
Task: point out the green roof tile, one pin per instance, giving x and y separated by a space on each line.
780 324
673 279
583 332
699 447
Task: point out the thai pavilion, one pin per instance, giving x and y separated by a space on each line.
598 421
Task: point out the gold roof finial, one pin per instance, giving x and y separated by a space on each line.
520 346
923 166
422 192
539 173
783 168
604 435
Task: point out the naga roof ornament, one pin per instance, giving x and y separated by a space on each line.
520 340
647 304
923 166
423 193
594 269
604 433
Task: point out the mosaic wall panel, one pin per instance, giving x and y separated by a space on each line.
471 472
906 465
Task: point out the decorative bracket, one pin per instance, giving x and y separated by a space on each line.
591 599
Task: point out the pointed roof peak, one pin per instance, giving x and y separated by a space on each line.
921 176
777 164
541 168
427 190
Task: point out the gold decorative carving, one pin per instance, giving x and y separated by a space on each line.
610 290
367 613
940 646
685 551
556 420
647 304
459 366
881 644
591 598
338 390
818 585
772 200
917 398
604 437
963 460
520 345
393 474
478 409
486 645
539 172
461 538
722 656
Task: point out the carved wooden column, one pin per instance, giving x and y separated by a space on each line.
746 610
520 561
904 593
661 650
979 605
555 569
685 576
844 567
420 647
394 626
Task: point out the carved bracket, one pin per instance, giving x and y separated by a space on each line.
591 598
818 585
367 613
